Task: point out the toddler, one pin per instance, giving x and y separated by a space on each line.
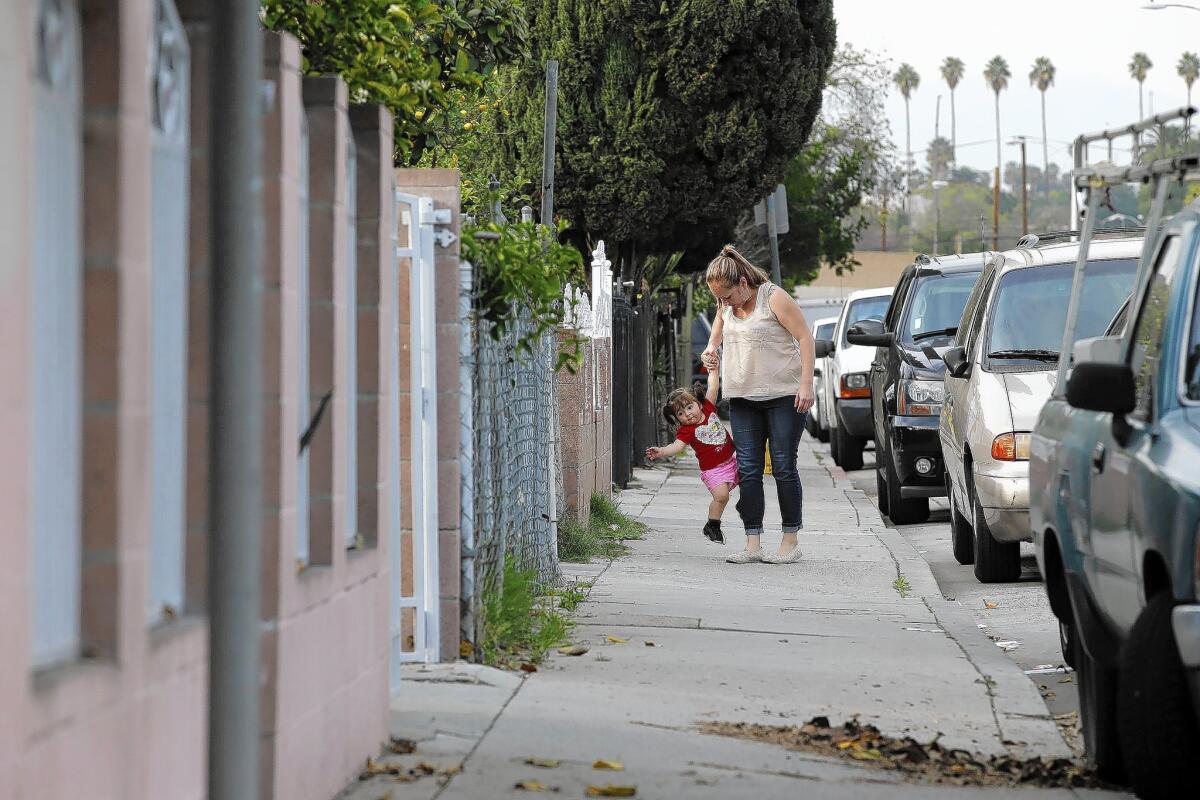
695 415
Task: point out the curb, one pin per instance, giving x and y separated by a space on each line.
1023 722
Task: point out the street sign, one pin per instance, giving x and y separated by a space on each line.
781 211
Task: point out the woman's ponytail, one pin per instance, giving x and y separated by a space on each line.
730 267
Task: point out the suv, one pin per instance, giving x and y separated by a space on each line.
846 384
1000 372
817 423
906 379
1115 518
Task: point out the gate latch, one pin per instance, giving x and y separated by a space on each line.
442 217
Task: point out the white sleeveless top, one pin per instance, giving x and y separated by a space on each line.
760 360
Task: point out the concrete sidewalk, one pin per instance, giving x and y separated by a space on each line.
758 643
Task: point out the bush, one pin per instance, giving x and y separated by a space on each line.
605 534
519 623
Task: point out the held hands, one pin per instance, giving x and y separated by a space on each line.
805 398
710 358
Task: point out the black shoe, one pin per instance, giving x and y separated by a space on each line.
713 531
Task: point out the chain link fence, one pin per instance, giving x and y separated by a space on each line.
516 466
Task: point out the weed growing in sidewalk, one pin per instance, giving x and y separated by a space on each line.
902 586
569 597
520 622
604 535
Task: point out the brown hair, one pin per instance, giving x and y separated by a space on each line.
730 266
680 399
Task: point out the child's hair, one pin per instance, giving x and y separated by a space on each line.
680 399
730 266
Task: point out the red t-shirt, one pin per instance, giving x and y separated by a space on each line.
711 442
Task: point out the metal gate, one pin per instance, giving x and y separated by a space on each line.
623 319
414 621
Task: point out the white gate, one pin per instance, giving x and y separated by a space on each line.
418 217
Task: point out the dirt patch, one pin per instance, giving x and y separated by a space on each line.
919 762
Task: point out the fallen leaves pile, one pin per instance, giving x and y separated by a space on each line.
593 790
926 763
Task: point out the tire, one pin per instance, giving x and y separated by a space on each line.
822 434
848 450
1098 714
902 511
833 447
881 492
1157 726
962 539
810 423
995 562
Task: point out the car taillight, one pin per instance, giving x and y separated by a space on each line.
855 384
1011 447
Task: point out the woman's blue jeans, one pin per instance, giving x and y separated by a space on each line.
754 423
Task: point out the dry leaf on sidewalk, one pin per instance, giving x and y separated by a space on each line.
533 786
602 763
990 604
573 649
615 640
545 763
611 790
650 643
402 747
528 667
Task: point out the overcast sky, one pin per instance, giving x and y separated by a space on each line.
1089 41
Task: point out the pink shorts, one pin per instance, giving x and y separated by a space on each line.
721 474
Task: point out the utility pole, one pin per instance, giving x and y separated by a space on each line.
235 468
773 236
996 210
549 132
1020 141
936 165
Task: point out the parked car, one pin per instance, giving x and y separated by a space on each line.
701 331
999 374
906 379
1115 519
846 382
818 418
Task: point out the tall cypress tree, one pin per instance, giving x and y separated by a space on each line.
674 115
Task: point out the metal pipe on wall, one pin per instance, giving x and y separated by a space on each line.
236 418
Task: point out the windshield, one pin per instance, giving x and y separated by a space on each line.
936 308
865 308
1030 310
824 331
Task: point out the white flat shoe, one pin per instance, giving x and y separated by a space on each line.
745 556
786 558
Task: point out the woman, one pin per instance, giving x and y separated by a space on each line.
767 374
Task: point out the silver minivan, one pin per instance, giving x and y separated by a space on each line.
999 374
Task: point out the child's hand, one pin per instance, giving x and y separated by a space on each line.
653 452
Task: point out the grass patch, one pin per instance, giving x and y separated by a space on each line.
520 622
902 586
569 597
604 535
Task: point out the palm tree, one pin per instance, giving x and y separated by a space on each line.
996 73
952 73
1189 69
907 80
1042 76
1139 67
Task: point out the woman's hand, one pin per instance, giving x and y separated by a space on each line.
710 358
805 398
653 452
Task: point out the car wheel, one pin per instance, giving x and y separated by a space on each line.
902 511
833 447
1156 722
1098 714
995 562
810 423
962 539
881 492
849 450
1066 642
822 433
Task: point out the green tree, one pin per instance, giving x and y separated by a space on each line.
672 117
996 73
1042 76
953 70
907 80
421 59
1139 68
939 155
1188 69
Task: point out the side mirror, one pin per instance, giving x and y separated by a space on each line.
956 361
1098 349
824 348
869 333
1096 386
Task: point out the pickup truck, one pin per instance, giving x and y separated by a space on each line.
1114 472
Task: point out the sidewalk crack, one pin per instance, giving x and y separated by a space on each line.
463 764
